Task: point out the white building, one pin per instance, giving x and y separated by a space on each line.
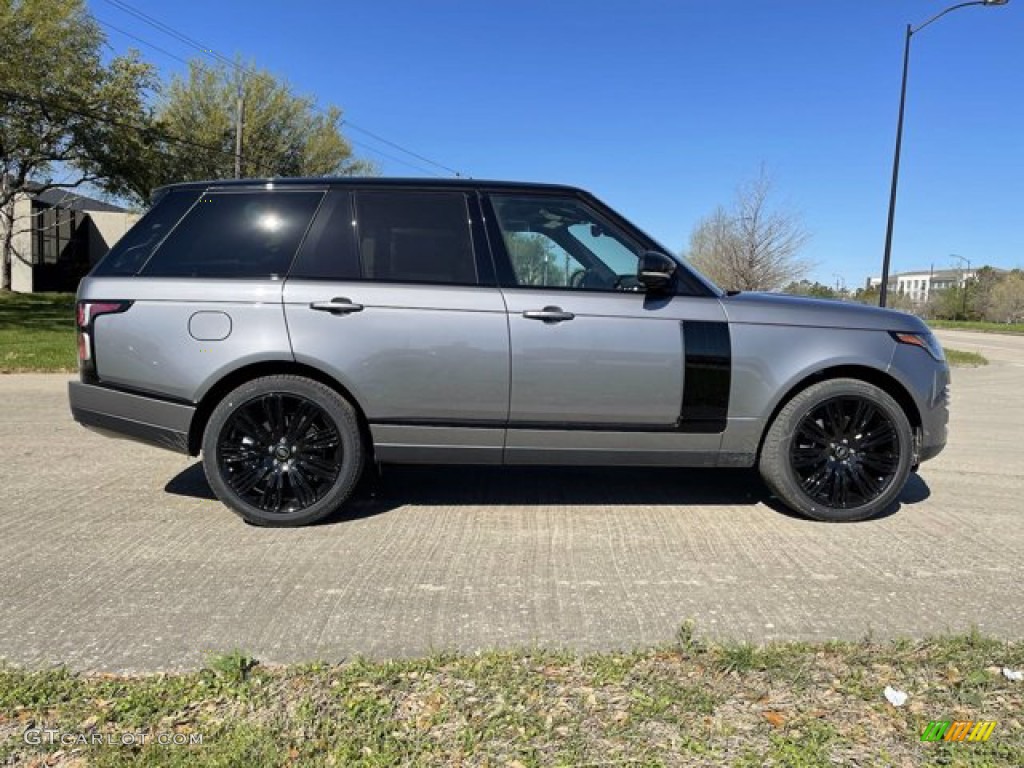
918 286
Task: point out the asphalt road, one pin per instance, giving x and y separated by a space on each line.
114 556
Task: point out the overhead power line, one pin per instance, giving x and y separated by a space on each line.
138 39
145 130
211 53
361 144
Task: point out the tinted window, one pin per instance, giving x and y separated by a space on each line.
420 237
236 234
131 251
329 250
561 243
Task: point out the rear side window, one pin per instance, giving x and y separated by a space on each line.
134 249
236 234
417 237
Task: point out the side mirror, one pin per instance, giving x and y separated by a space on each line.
655 271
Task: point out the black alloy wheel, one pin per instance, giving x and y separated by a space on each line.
280 452
845 452
283 450
839 450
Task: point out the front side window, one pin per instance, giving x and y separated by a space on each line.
561 243
236 235
417 237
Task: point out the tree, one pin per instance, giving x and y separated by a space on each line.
535 260
815 289
894 299
58 104
979 291
751 246
192 133
1006 299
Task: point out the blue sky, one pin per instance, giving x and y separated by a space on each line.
662 107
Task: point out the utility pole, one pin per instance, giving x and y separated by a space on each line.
238 128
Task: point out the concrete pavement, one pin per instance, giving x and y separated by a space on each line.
114 556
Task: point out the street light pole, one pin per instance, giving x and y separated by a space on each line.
963 279
911 31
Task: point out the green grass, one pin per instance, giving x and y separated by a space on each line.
978 325
959 358
37 332
696 702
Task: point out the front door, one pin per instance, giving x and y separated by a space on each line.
598 365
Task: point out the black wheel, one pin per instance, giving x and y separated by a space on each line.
283 450
840 450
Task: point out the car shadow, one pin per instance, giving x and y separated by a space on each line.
399 486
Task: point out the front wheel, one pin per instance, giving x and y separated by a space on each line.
840 450
283 450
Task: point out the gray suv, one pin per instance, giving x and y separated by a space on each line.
297 331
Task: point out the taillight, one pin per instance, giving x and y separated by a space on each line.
84 347
86 313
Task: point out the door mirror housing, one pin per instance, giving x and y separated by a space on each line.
655 271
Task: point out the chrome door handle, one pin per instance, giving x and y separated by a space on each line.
336 306
548 315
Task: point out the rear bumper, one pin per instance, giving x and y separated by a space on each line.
134 417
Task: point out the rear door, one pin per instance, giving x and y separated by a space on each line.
391 295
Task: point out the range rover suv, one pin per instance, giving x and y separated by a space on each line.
297 331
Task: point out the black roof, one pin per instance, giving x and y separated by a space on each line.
374 181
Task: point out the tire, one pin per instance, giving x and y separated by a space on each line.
283 451
807 464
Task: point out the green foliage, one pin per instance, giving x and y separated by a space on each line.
815 289
893 300
234 666
1005 300
535 260
793 704
283 133
960 359
981 326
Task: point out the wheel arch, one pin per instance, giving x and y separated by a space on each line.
239 376
884 381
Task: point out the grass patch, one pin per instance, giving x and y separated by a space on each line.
37 332
961 359
978 325
795 704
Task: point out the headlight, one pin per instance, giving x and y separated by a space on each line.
925 341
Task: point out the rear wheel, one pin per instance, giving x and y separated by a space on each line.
283 450
840 450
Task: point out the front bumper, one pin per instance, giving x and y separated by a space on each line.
144 419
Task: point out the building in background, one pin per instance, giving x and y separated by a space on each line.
919 286
59 235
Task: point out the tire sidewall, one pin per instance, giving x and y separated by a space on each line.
332 403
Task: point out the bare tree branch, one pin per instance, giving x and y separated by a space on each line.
751 247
